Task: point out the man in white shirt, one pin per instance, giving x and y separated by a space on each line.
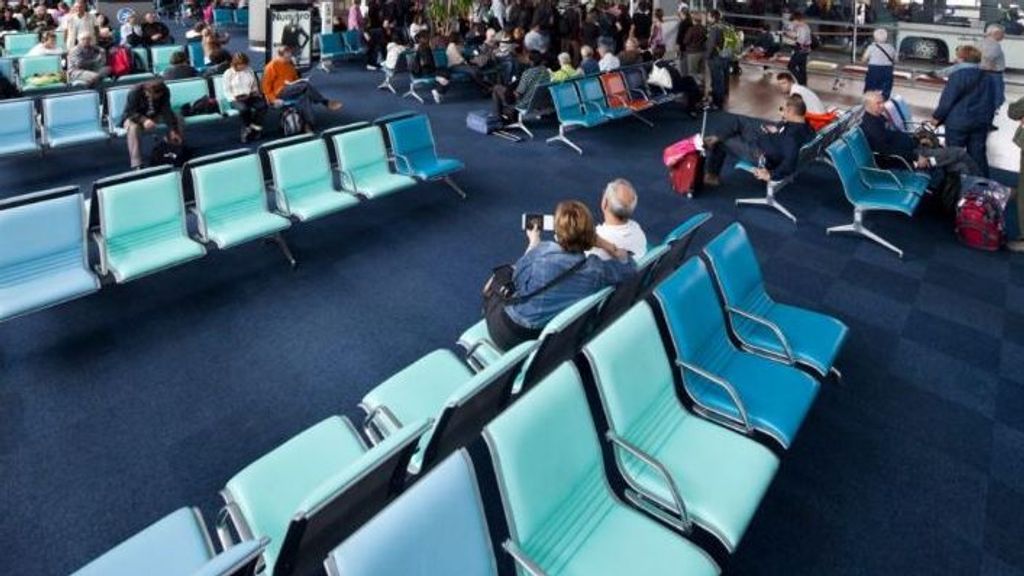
788 86
609 61
47 46
617 205
79 21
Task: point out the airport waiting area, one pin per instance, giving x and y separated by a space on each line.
397 302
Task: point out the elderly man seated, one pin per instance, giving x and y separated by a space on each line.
87 62
617 206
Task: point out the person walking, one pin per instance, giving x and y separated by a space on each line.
880 57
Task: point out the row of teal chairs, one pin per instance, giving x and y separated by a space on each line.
340 46
25 72
18 44
230 16
681 485
138 220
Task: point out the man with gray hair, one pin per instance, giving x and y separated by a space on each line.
993 60
617 206
87 62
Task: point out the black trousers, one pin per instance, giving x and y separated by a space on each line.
505 332
252 109
798 66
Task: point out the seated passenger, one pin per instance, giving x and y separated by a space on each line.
281 83
243 91
587 63
457 63
608 59
104 33
631 54
131 32
775 149
148 105
40 20
551 276
155 32
219 63
884 140
522 89
788 86
87 62
565 70
179 68
8 23
47 45
617 206
424 66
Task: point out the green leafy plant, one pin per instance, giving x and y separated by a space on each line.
445 14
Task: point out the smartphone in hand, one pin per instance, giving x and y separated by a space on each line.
545 222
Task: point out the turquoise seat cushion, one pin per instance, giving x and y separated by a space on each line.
150 250
431 168
721 476
375 181
175 545
815 339
420 390
363 161
228 562
270 491
412 142
911 181
404 539
230 197
70 135
239 223
17 131
10 144
559 504
316 201
302 175
44 282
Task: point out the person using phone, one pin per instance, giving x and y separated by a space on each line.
552 275
148 104
243 91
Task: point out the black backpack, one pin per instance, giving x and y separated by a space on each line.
291 122
166 153
203 105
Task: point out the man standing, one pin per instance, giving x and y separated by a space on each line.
1016 112
717 65
994 61
966 108
617 205
148 104
800 33
77 22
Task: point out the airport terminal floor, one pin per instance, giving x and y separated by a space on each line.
120 407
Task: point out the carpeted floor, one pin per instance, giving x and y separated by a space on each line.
118 408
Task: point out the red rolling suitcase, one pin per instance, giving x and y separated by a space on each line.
685 162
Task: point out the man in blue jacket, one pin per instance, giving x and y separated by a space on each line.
778 145
966 108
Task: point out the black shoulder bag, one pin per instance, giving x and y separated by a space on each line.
501 286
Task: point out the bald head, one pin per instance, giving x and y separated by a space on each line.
619 201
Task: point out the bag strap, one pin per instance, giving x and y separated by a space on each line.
557 280
887 55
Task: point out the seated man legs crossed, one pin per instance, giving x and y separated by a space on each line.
282 84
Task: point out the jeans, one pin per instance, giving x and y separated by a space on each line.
798 66
133 138
738 138
303 95
974 141
252 109
718 70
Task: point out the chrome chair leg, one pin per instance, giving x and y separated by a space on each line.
857 227
285 249
836 374
563 139
451 182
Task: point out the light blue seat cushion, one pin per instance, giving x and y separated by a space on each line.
43 282
151 250
413 145
363 161
230 561
232 225
309 202
419 390
70 135
431 168
173 546
476 340
17 131
436 527
302 175
229 195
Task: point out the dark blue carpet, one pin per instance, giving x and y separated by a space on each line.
120 407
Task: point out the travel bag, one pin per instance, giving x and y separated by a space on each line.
482 121
980 221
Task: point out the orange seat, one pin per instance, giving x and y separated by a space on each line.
618 94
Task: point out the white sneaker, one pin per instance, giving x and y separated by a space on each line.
256 127
372 68
436 95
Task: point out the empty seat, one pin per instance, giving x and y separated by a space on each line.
72 119
39 73
363 164
717 477
412 144
196 58
18 130
160 57
242 16
43 251
562 515
17 45
231 204
404 539
744 391
303 183
867 198
594 99
185 92
176 545
223 16
354 42
295 493
619 95
676 244
786 333
117 101
571 113
439 386
142 224
332 46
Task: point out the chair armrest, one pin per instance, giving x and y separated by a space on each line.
639 93
889 174
347 181
677 503
230 516
901 159
404 162
200 224
101 246
524 561
729 389
774 328
378 421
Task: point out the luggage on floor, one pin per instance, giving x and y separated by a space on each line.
291 122
980 221
167 153
685 163
483 121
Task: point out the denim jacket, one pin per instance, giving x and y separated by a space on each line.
542 264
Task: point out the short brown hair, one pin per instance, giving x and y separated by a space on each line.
796 103
574 226
968 53
240 59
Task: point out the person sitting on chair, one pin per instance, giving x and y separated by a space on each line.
774 148
87 62
47 45
148 104
179 67
155 32
522 89
617 206
281 85
551 276
243 91
565 70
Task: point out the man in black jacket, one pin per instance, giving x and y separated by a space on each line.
148 105
777 145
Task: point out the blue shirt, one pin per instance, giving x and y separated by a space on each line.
539 266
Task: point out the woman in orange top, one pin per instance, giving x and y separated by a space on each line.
282 86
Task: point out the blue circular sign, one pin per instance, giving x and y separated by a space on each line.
124 14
